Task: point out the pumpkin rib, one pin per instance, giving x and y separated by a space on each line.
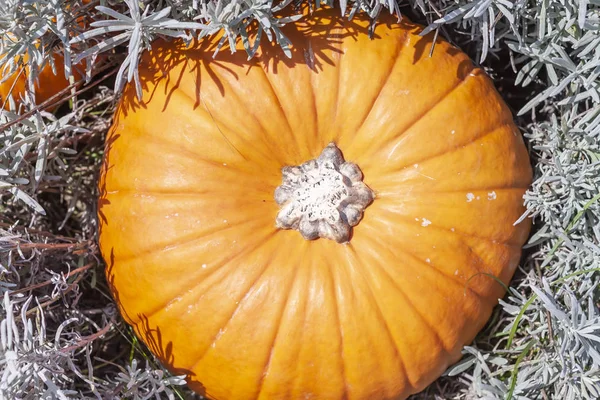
485 267
234 169
400 45
316 277
226 261
278 330
214 120
219 123
336 55
184 151
336 307
381 314
295 284
280 107
461 241
166 193
272 153
446 347
382 266
409 221
152 252
313 94
409 302
458 283
223 328
419 117
478 190
459 146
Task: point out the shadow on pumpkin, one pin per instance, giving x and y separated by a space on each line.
316 41
151 335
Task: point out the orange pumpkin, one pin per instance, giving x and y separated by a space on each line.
417 177
46 85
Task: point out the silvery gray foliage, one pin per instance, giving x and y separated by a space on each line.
137 29
38 365
147 383
31 364
37 137
543 341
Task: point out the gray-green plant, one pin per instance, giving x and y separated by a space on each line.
61 336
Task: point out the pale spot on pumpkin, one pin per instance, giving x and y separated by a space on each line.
427 260
172 302
203 265
492 195
456 272
453 132
425 222
470 197
452 229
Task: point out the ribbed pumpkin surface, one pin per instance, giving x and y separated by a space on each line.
187 213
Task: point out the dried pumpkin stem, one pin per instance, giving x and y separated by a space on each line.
323 198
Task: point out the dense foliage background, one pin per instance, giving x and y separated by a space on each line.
61 336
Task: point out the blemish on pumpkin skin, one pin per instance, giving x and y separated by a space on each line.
492 195
470 197
425 222
172 302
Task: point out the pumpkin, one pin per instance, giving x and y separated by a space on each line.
47 83
329 226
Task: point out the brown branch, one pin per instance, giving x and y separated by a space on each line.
50 302
88 339
58 99
52 246
35 231
42 284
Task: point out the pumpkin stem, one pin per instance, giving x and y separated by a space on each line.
323 198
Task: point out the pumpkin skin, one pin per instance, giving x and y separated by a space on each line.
249 311
46 85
